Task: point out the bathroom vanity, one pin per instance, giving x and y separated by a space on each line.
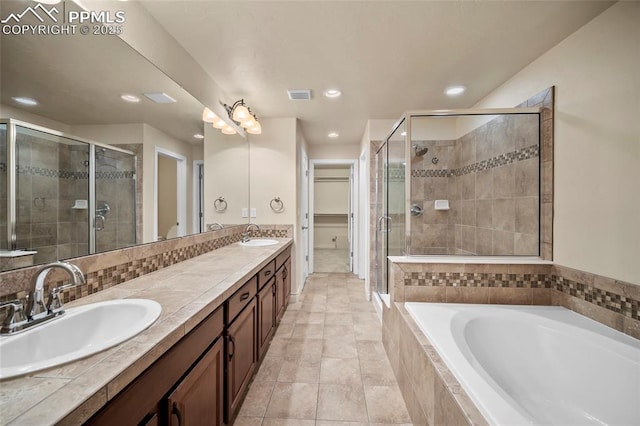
220 312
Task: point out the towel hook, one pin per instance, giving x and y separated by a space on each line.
276 205
220 204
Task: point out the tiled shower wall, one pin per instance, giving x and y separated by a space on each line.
490 176
50 177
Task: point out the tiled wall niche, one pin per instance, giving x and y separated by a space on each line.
432 394
111 268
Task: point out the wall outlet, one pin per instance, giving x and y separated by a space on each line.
245 212
253 212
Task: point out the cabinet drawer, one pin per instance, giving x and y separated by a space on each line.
241 298
266 273
282 257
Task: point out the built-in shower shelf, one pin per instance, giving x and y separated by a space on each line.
80 205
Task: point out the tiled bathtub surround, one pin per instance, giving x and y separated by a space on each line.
431 393
109 269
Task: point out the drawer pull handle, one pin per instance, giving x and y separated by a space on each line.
285 272
233 345
176 412
244 296
267 273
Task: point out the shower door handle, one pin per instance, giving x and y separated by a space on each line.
388 228
99 222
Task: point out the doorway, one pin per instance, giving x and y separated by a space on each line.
170 195
333 216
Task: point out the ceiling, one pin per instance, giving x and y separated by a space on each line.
385 56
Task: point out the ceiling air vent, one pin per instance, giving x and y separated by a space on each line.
299 95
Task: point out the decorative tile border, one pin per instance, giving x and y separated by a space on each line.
532 151
64 174
105 270
624 301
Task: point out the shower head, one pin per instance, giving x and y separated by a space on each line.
420 150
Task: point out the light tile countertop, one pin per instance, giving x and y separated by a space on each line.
188 292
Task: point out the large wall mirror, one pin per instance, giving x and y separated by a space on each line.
93 171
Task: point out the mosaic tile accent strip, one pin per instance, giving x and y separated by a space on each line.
64 174
532 151
620 304
460 279
3 167
614 302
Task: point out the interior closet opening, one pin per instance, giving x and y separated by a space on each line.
333 229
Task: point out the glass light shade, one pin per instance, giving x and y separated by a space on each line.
249 122
255 130
209 116
228 130
219 123
240 113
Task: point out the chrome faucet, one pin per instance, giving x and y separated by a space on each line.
37 311
245 234
215 225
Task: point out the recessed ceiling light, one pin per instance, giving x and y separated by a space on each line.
198 136
25 101
455 90
332 93
130 98
333 135
403 133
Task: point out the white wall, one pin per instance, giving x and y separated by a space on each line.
112 134
596 72
334 152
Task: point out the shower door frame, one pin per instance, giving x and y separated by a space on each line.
408 115
11 124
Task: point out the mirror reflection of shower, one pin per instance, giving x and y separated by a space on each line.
420 150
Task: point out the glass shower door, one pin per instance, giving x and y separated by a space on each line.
115 205
390 205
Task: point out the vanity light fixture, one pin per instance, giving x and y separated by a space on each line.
209 116
241 114
228 130
455 90
25 101
332 93
130 98
333 135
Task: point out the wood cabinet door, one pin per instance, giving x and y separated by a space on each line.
240 357
197 400
266 316
280 292
287 282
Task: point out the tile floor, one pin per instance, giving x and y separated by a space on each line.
331 260
326 365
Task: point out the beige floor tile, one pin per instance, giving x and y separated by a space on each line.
300 371
257 399
247 421
385 404
307 331
338 318
377 372
284 330
293 401
371 349
334 423
310 318
339 332
304 348
269 369
339 349
277 348
368 332
340 371
341 402
288 422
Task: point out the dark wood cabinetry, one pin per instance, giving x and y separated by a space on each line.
197 400
266 316
240 357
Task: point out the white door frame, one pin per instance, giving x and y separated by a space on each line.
304 216
181 193
197 196
356 215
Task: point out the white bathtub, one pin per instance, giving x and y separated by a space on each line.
536 364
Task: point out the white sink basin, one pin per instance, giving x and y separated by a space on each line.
259 242
81 332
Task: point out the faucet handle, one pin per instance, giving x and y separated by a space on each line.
54 302
15 316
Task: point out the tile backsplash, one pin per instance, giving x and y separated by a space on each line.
105 270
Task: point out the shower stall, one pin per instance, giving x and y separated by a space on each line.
458 183
62 196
